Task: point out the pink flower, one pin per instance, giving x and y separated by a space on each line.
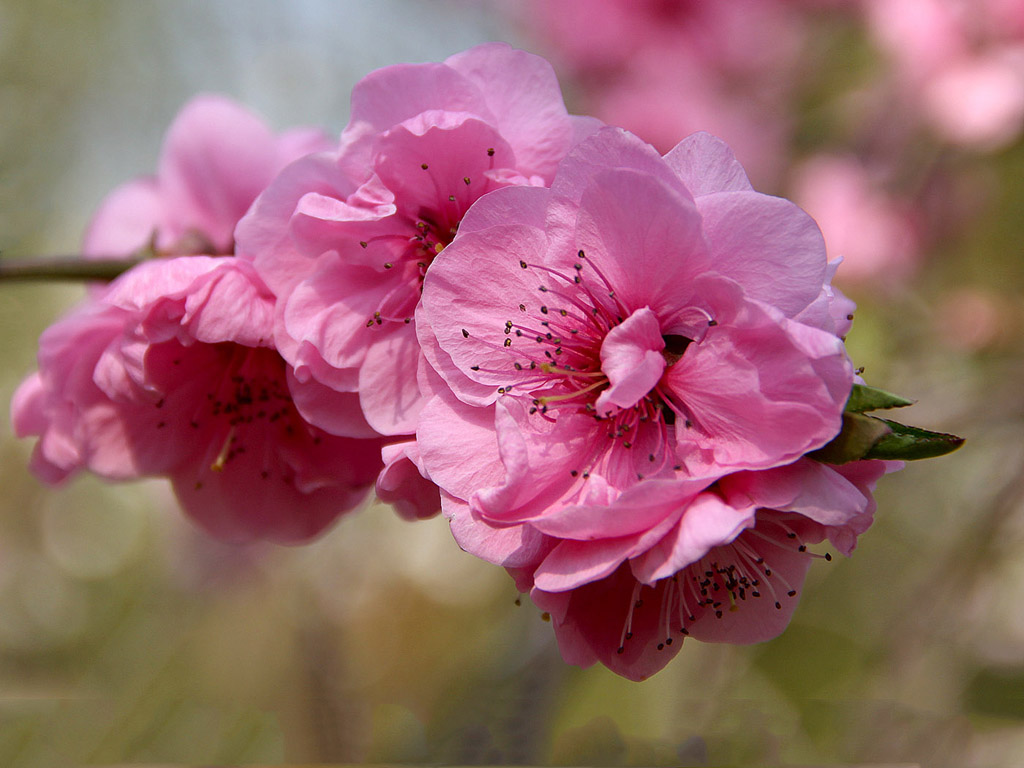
170 370
644 328
961 63
344 239
666 69
729 570
171 373
216 158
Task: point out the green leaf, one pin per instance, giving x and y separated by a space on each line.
908 443
864 398
855 440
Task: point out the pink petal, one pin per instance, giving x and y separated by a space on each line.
523 94
707 523
448 432
628 224
706 165
217 157
403 485
389 390
631 358
517 546
766 244
336 412
128 220
464 320
263 235
757 619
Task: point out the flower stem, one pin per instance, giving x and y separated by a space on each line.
65 268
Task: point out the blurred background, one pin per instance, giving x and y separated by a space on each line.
127 636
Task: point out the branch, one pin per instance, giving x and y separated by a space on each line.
75 268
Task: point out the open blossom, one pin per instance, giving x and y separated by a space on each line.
171 370
172 373
612 356
729 570
344 238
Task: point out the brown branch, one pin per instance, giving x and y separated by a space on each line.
76 268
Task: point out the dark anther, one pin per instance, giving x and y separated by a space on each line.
363 244
424 166
465 180
675 346
490 151
465 333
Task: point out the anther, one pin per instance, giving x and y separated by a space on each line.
363 244
523 264
424 166
490 151
465 333
465 180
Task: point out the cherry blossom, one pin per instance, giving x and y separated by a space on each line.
344 238
171 370
613 347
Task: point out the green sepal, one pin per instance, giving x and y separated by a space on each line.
855 440
864 398
907 443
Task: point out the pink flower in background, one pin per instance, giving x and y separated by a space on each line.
344 239
961 63
216 158
667 69
873 233
615 345
171 370
172 373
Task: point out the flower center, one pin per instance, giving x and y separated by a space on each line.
422 236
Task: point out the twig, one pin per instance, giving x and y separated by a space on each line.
75 268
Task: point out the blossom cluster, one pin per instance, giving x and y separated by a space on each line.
619 374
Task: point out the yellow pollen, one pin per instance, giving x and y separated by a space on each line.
570 395
438 247
222 457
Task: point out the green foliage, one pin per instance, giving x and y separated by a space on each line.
870 437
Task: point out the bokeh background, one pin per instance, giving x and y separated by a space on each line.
127 636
